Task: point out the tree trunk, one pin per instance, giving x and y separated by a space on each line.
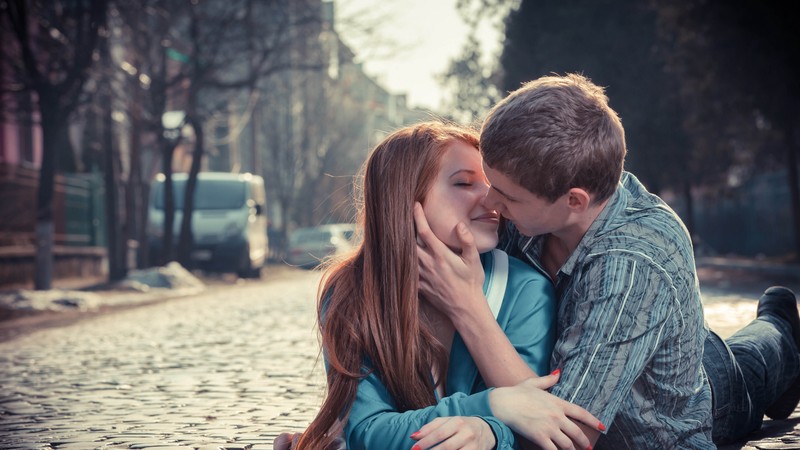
167 150
52 122
186 240
255 152
43 278
283 244
135 196
116 253
65 159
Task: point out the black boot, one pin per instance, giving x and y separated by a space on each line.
780 302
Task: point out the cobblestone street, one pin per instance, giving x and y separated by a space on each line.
230 369
227 369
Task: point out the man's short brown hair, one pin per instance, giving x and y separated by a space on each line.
556 133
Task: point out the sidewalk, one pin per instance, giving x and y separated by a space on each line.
23 310
767 267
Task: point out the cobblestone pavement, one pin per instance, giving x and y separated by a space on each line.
228 369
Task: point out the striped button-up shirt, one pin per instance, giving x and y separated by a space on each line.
630 324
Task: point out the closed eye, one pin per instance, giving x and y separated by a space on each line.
462 177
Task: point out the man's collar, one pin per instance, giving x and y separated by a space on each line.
616 204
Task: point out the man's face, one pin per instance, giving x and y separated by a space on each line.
531 214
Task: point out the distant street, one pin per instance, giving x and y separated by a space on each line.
229 369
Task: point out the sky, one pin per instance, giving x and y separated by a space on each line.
411 47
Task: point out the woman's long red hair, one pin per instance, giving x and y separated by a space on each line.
368 304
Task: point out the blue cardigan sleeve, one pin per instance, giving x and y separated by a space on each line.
375 422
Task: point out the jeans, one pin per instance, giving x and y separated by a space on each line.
747 373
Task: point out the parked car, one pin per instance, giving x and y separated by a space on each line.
311 245
229 222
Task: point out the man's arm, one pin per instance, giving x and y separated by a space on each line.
454 285
542 418
616 325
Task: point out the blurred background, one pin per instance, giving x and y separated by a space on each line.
115 114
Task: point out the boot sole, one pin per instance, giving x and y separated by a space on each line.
785 406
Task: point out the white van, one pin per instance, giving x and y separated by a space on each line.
229 223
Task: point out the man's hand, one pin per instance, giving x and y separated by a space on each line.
450 282
541 417
454 285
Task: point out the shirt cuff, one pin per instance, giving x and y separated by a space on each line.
503 436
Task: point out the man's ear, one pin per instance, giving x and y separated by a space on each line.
578 200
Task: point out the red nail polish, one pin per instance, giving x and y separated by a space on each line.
601 427
556 372
589 447
416 447
415 435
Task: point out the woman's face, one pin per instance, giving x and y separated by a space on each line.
457 196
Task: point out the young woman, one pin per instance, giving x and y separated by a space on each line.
395 363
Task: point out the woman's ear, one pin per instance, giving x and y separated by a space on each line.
578 200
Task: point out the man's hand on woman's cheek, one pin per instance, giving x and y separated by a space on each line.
451 282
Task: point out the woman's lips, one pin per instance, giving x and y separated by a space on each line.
492 217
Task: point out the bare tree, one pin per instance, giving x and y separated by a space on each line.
315 126
231 47
332 148
197 57
148 51
51 48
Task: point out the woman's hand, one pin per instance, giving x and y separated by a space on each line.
453 433
288 441
285 441
541 417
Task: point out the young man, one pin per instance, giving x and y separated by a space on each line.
633 347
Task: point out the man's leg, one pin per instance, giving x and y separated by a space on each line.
783 304
756 370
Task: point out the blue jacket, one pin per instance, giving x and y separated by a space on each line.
527 316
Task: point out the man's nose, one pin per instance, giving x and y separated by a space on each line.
484 188
491 200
